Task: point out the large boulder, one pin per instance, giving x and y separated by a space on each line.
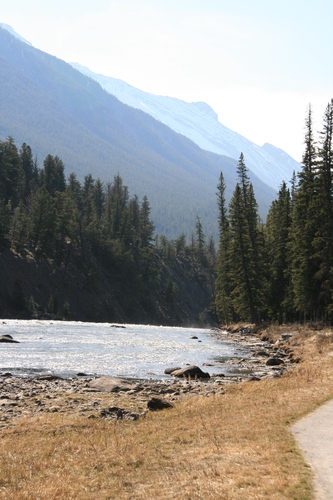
190 372
113 384
8 339
169 371
155 404
274 362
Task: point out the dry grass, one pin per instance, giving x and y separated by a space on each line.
231 446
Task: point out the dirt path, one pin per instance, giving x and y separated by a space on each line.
314 435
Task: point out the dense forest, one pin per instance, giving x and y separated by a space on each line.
102 235
281 270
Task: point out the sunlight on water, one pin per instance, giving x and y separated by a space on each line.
139 351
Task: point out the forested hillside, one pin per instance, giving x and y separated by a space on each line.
283 270
57 110
89 251
86 251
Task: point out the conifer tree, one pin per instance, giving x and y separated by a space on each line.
223 306
304 265
323 241
146 225
19 227
277 242
247 266
28 167
53 177
242 269
12 177
41 223
200 243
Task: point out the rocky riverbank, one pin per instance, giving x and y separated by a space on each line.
129 399
264 357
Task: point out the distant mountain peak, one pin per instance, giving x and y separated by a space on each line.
13 32
205 109
199 122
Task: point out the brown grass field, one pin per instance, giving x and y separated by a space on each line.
231 446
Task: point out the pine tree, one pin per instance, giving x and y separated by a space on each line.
41 223
146 225
28 167
223 305
19 228
99 198
323 241
247 264
277 233
12 177
304 265
53 177
200 243
242 273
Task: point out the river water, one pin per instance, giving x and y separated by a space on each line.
66 348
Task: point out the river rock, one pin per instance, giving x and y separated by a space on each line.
193 372
274 362
50 377
262 353
155 404
112 384
168 371
8 339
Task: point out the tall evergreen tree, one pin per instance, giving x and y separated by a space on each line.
53 177
323 241
242 273
247 267
304 265
12 178
28 167
223 306
277 238
42 218
200 243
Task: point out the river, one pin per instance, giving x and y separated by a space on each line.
66 348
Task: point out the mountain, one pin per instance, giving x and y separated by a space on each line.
199 122
57 110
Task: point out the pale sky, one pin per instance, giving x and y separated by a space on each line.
257 63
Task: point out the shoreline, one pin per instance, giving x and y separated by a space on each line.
129 398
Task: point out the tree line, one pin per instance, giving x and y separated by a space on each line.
281 270
69 222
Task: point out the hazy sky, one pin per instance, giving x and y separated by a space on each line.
257 63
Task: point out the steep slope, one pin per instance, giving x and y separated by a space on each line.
199 122
58 110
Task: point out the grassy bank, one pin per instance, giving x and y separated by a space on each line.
233 446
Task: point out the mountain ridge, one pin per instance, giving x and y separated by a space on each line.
58 110
199 122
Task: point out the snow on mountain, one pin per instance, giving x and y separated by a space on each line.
13 32
199 122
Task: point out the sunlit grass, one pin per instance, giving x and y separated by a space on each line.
232 446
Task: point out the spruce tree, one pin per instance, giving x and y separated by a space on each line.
277 232
200 243
242 273
304 264
247 264
323 241
223 305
